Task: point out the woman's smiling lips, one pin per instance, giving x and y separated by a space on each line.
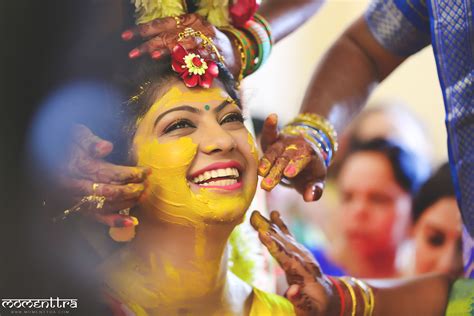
219 175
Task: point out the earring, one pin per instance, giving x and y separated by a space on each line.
122 234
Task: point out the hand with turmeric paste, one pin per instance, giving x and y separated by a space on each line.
86 173
310 292
291 157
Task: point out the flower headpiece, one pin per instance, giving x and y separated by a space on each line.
192 68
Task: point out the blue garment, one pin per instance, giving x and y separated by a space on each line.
327 266
406 26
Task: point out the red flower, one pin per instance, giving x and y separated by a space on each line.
242 10
192 68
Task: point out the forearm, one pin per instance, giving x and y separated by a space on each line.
426 295
347 74
286 16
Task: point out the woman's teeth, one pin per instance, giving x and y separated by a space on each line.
231 175
219 183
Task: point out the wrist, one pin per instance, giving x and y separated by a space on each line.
336 298
317 131
356 297
236 67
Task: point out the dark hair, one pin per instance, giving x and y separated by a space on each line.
438 186
404 163
139 83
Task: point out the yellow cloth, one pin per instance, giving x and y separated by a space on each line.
270 304
263 304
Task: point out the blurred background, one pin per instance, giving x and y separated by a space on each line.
279 86
39 52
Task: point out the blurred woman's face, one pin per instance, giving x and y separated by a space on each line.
437 236
375 209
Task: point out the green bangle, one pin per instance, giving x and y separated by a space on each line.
247 49
263 41
261 20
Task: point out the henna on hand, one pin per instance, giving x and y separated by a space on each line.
310 292
161 35
86 173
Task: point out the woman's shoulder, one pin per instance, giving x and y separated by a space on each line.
265 303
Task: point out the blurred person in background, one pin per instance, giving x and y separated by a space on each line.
437 226
377 181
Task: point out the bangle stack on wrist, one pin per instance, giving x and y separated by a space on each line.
355 288
320 134
263 40
254 42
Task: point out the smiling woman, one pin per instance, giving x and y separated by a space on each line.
203 178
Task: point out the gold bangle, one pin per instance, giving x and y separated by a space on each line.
352 293
232 32
363 287
370 293
292 130
243 61
319 122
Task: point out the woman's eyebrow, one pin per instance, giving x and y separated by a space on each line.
179 108
221 106
191 109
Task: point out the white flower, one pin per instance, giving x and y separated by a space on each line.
195 64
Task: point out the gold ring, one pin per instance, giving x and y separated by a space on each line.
291 147
99 200
95 186
125 211
178 21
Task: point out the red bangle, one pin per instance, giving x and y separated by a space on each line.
340 292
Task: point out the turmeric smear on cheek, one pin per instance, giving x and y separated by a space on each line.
169 196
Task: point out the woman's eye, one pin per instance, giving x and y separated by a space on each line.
232 117
436 240
179 124
380 199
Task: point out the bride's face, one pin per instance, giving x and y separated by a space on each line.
203 159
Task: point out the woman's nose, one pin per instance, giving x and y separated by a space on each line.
216 139
359 209
450 261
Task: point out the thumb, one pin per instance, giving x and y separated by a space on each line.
313 191
293 294
269 131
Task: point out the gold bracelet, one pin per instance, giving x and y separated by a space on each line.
99 201
319 122
292 130
363 287
368 295
352 293
243 61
